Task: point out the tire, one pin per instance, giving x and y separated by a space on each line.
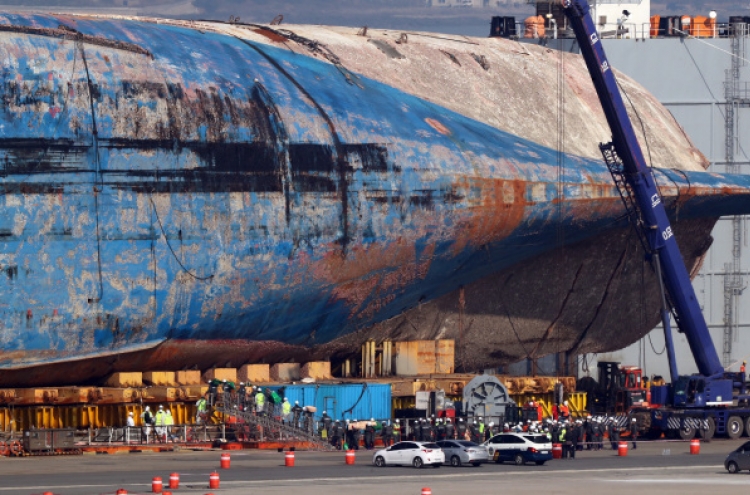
519 460
687 431
476 464
540 463
379 461
417 462
734 427
733 468
709 434
455 461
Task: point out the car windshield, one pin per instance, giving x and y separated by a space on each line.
466 443
430 446
538 438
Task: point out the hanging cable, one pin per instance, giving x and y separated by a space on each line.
169 245
95 142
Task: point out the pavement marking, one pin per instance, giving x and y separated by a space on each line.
411 477
692 481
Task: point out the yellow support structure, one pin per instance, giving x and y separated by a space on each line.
86 416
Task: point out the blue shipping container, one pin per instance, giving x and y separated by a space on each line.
360 401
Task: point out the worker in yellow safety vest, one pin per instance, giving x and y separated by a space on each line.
159 423
201 414
286 410
260 402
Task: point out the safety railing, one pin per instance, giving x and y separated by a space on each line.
267 425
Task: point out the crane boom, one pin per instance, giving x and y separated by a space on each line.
641 195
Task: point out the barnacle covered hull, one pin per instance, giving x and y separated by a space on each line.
197 194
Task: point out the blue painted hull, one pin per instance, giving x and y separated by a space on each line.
183 185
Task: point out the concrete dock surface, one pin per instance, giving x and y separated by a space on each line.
654 468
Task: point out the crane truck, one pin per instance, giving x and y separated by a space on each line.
712 401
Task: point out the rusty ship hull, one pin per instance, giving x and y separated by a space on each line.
197 194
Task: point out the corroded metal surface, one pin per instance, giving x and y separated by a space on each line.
189 194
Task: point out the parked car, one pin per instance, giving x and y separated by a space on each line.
458 452
417 454
738 459
519 448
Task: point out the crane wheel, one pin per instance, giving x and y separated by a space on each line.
735 427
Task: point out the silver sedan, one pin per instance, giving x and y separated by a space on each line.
459 452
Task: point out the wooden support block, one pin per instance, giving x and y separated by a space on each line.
79 395
122 379
160 378
112 395
285 372
254 373
189 377
228 374
319 370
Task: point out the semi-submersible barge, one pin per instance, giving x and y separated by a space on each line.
195 194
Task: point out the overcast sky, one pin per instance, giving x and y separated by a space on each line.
390 14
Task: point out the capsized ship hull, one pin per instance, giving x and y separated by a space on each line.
198 194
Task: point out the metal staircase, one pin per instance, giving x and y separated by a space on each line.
267 428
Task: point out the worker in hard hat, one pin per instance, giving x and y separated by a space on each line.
396 430
370 434
159 423
450 431
147 420
286 410
386 434
260 402
296 413
634 432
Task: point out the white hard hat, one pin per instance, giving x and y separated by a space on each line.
633 420
566 403
286 400
371 419
397 421
130 413
148 408
492 423
296 402
448 420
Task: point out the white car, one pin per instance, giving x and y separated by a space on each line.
519 448
417 454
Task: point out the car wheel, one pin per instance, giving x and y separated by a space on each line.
734 427
455 461
417 462
476 464
540 463
379 461
732 467
519 460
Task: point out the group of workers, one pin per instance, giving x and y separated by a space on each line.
160 423
348 434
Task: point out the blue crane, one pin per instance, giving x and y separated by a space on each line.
637 186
